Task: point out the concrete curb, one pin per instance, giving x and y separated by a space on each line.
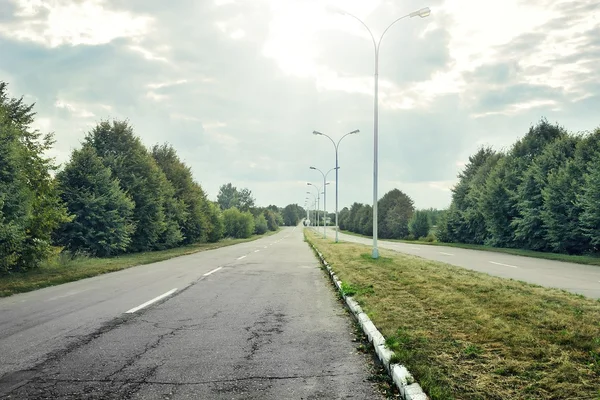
409 389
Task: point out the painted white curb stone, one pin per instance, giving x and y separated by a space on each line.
409 390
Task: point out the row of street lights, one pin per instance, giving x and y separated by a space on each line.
423 12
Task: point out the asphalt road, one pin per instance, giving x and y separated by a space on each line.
576 278
256 320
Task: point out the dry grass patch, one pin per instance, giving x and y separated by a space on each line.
468 335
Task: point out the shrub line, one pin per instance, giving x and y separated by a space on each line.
403 379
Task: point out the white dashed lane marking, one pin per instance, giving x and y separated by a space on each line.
154 300
213 271
504 265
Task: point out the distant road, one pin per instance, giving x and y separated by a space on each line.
576 278
257 320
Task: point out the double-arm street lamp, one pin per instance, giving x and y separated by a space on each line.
423 12
325 183
337 167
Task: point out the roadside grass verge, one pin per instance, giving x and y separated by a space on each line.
584 259
469 335
61 268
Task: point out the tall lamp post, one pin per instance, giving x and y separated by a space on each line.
313 205
317 202
337 167
325 183
423 12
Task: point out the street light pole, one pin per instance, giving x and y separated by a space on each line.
318 199
423 12
313 205
337 167
325 183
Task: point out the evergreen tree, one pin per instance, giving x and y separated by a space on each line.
419 225
102 212
193 216
590 204
140 177
394 211
500 195
365 220
530 230
563 210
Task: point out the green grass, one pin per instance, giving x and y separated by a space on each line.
61 268
585 259
468 335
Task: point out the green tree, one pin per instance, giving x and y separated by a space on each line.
102 224
394 225
245 199
16 198
216 223
260 224
238 224
530 230
590 204
292 214
228 197
365 220
191 207
563 210
419 224
497 205
353 218
500 197
397 221
344 218
271 218
156 212
31 208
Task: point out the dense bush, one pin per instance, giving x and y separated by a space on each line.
238 224
260 224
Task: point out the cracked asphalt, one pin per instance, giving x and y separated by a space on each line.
266 325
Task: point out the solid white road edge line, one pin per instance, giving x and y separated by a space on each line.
504 265
154 300
239 258
212 272
446 254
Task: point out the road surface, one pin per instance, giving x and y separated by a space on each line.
575 278
256 320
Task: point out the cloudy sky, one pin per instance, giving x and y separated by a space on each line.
238 86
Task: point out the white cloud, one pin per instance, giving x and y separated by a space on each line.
237 86
75 110
65 22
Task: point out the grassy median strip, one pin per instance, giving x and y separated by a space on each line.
582 259
62 269
468 335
